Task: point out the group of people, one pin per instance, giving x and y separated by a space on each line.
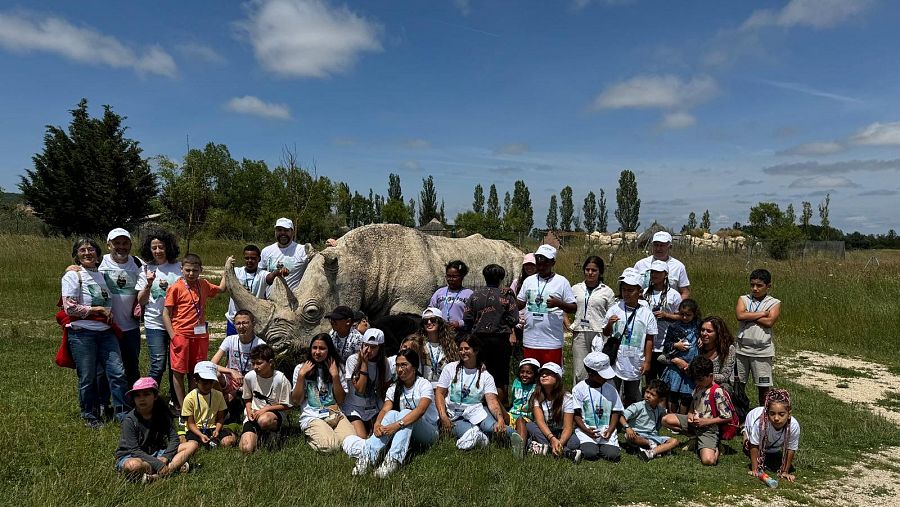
452 376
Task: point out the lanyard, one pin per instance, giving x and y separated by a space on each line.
250 283
629 321
446 298
435 362
467 389
195 303
587 297
243 365
540 297
594 407
750 303
208 409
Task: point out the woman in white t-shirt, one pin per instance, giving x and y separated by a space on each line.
365 381
553 427
593 299
408 415
462 389
160 249
319 393
86 302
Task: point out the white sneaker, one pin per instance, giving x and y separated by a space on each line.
538 449
482 440
516 444
470 439
388 466
647 454
362 465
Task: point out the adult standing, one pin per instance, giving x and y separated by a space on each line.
661 249
452 298
593 299
121 271
545 296
284 258
160 250
86 301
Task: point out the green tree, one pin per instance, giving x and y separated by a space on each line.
493 205
806 216
602 213
790 216
566 209
704 222
552 218
395 212
92 168
428 208
768 222
628 209
519 220
395 192
823 217
507 202
691 223
441 216
590 212
344 201
478 199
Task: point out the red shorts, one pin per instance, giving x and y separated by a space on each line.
544 355
186 351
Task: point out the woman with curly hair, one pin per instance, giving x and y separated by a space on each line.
438 344
160 250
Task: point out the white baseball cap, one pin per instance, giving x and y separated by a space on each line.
373 337
658 265
207 370
116 233
555 368
284 223
530 360
547 251
662 237
433 312
599 362
631 276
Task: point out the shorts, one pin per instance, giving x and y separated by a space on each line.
192 437
495 352
656 438
707 437
511 420
253 426
759 367
544 356
186 351
120 463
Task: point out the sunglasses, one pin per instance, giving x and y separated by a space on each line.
431 321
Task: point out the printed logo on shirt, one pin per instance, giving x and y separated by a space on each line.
99 295
596 414
319 393
282 261
535 302
161 284
120 282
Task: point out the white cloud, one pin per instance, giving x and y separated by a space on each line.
411 165
512 149
824 182
24 32
815 149
464 6
201 52
677 120
878 134
665 92
248 104
417 143
308 38
809 13
814 168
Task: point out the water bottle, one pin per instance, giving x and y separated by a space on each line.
769 481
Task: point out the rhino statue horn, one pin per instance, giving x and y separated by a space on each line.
381 269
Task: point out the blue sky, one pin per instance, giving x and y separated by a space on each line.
714 105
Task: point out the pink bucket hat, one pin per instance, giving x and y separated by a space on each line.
143 383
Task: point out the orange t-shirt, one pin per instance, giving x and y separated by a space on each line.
187 306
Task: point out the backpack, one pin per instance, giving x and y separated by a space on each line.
728 430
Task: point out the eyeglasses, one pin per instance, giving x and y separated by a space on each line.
430 321
403 366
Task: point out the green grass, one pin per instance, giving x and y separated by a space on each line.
51 459
891 401
840 371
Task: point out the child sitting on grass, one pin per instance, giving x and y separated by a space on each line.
522 389
204 409
642 421
772 436
700 423
267 395
553 428
598 409
148 445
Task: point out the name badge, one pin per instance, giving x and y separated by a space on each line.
537 317
584 322
201 329
323 412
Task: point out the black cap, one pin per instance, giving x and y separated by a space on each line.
358 316
340 313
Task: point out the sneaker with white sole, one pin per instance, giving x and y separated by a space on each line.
470 439
362 465
185 468
516 444
388 466
646 454
574 455
482 440
536 448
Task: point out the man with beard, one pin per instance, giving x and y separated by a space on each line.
121 271
678 278
284 258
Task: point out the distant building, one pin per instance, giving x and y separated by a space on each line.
436 228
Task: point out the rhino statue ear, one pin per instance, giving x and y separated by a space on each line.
330 260
282 295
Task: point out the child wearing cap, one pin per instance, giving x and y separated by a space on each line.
642 421
204 409
184 316
660 249
521 391
148 445
552 430
545 296
366 381
598 408
438 344
347 340
267 395
629 329
663 302
757 313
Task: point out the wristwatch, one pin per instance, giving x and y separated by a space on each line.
400 422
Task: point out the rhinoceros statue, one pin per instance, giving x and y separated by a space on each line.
381 269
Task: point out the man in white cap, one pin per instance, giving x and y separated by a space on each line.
121 271
545 296
284 258
678 278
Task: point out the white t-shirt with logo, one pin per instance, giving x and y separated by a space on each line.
237 353
366 406
166 276
544 326
266 391
293 257
669 303
568 407
774 438
121 279
678 277
465 395
597 406
631 351
411 396
319 395
255 283
91 291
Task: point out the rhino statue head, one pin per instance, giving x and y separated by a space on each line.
381 269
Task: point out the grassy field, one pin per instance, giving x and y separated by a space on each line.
50 459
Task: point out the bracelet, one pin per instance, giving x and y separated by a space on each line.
364 373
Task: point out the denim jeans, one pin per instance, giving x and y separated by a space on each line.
92 350
158 346
421 432
130 345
